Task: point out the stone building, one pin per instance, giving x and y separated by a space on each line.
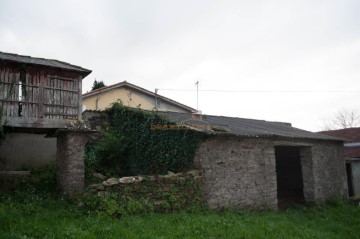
259 164
352 156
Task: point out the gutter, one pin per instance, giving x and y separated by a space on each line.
352 145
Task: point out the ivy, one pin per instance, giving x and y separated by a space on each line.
149 143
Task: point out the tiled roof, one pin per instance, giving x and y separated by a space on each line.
128 85
42 61
244 127
350 134
352 152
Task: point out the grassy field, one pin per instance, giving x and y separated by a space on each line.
42 217
33 209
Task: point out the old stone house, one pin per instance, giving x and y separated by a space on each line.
133 96
260 164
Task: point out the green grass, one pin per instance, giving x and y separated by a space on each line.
37 216
33 209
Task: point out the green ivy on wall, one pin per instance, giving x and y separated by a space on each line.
140 142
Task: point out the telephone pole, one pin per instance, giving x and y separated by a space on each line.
197 96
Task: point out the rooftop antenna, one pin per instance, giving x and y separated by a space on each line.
197 96
156 96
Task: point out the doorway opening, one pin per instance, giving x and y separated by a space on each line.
290 186
349 179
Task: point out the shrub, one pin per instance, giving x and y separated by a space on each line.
108 155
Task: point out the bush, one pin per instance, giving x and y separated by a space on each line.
108 155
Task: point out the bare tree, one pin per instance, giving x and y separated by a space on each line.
343 119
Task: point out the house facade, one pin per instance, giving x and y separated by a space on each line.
132 96
351 154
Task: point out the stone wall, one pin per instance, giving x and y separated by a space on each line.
329 170
164 192
241 172
238 172
307 167
95 120
70 160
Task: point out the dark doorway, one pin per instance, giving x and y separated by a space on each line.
290 188
349 179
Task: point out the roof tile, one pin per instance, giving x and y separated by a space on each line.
349 134
247 127
41 61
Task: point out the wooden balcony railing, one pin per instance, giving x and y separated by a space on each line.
39 97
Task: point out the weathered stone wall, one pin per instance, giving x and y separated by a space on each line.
95 120
164 192
329 170
241 172
307 168
238 172
70 160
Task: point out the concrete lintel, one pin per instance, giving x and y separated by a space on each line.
289 143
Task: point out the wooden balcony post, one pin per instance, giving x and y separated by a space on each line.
41 96
80 98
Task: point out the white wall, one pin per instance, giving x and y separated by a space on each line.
355 166
22 151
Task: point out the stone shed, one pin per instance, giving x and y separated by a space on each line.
259 164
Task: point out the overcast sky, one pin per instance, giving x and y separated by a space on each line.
253 58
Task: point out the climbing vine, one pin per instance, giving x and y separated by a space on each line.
140 142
